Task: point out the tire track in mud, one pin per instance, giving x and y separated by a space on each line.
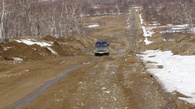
41 90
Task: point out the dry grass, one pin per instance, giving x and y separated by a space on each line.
109 24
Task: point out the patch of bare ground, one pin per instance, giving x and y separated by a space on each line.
109 24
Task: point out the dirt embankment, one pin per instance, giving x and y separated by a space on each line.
180 44
60 47
73 46
179 41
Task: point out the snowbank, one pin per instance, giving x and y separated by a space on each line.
192 30
174 28
147 31
170 28
52 51
32 42
177 73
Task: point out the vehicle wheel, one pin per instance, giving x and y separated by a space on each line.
95 54
108 54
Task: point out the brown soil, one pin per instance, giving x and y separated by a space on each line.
23 51
49 38
63 46
181 45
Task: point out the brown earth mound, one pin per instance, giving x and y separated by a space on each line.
49 38
184 49
192 40
62 46
181 44
73 46
14 49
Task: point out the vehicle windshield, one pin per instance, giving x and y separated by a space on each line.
101 44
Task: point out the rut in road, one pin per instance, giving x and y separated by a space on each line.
48 84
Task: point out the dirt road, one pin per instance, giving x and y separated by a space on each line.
118 81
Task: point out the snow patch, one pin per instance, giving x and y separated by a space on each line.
192 30
155 23
84 15
177 29
192 37
177 74
168 40
147 31
93 26
33 41
87 63
6 48
52 51
113 72
17 59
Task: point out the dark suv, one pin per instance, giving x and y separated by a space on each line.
101 47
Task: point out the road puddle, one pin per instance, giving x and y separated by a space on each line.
71 58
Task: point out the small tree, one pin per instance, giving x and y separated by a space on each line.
2 21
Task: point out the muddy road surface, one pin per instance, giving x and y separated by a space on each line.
118 81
